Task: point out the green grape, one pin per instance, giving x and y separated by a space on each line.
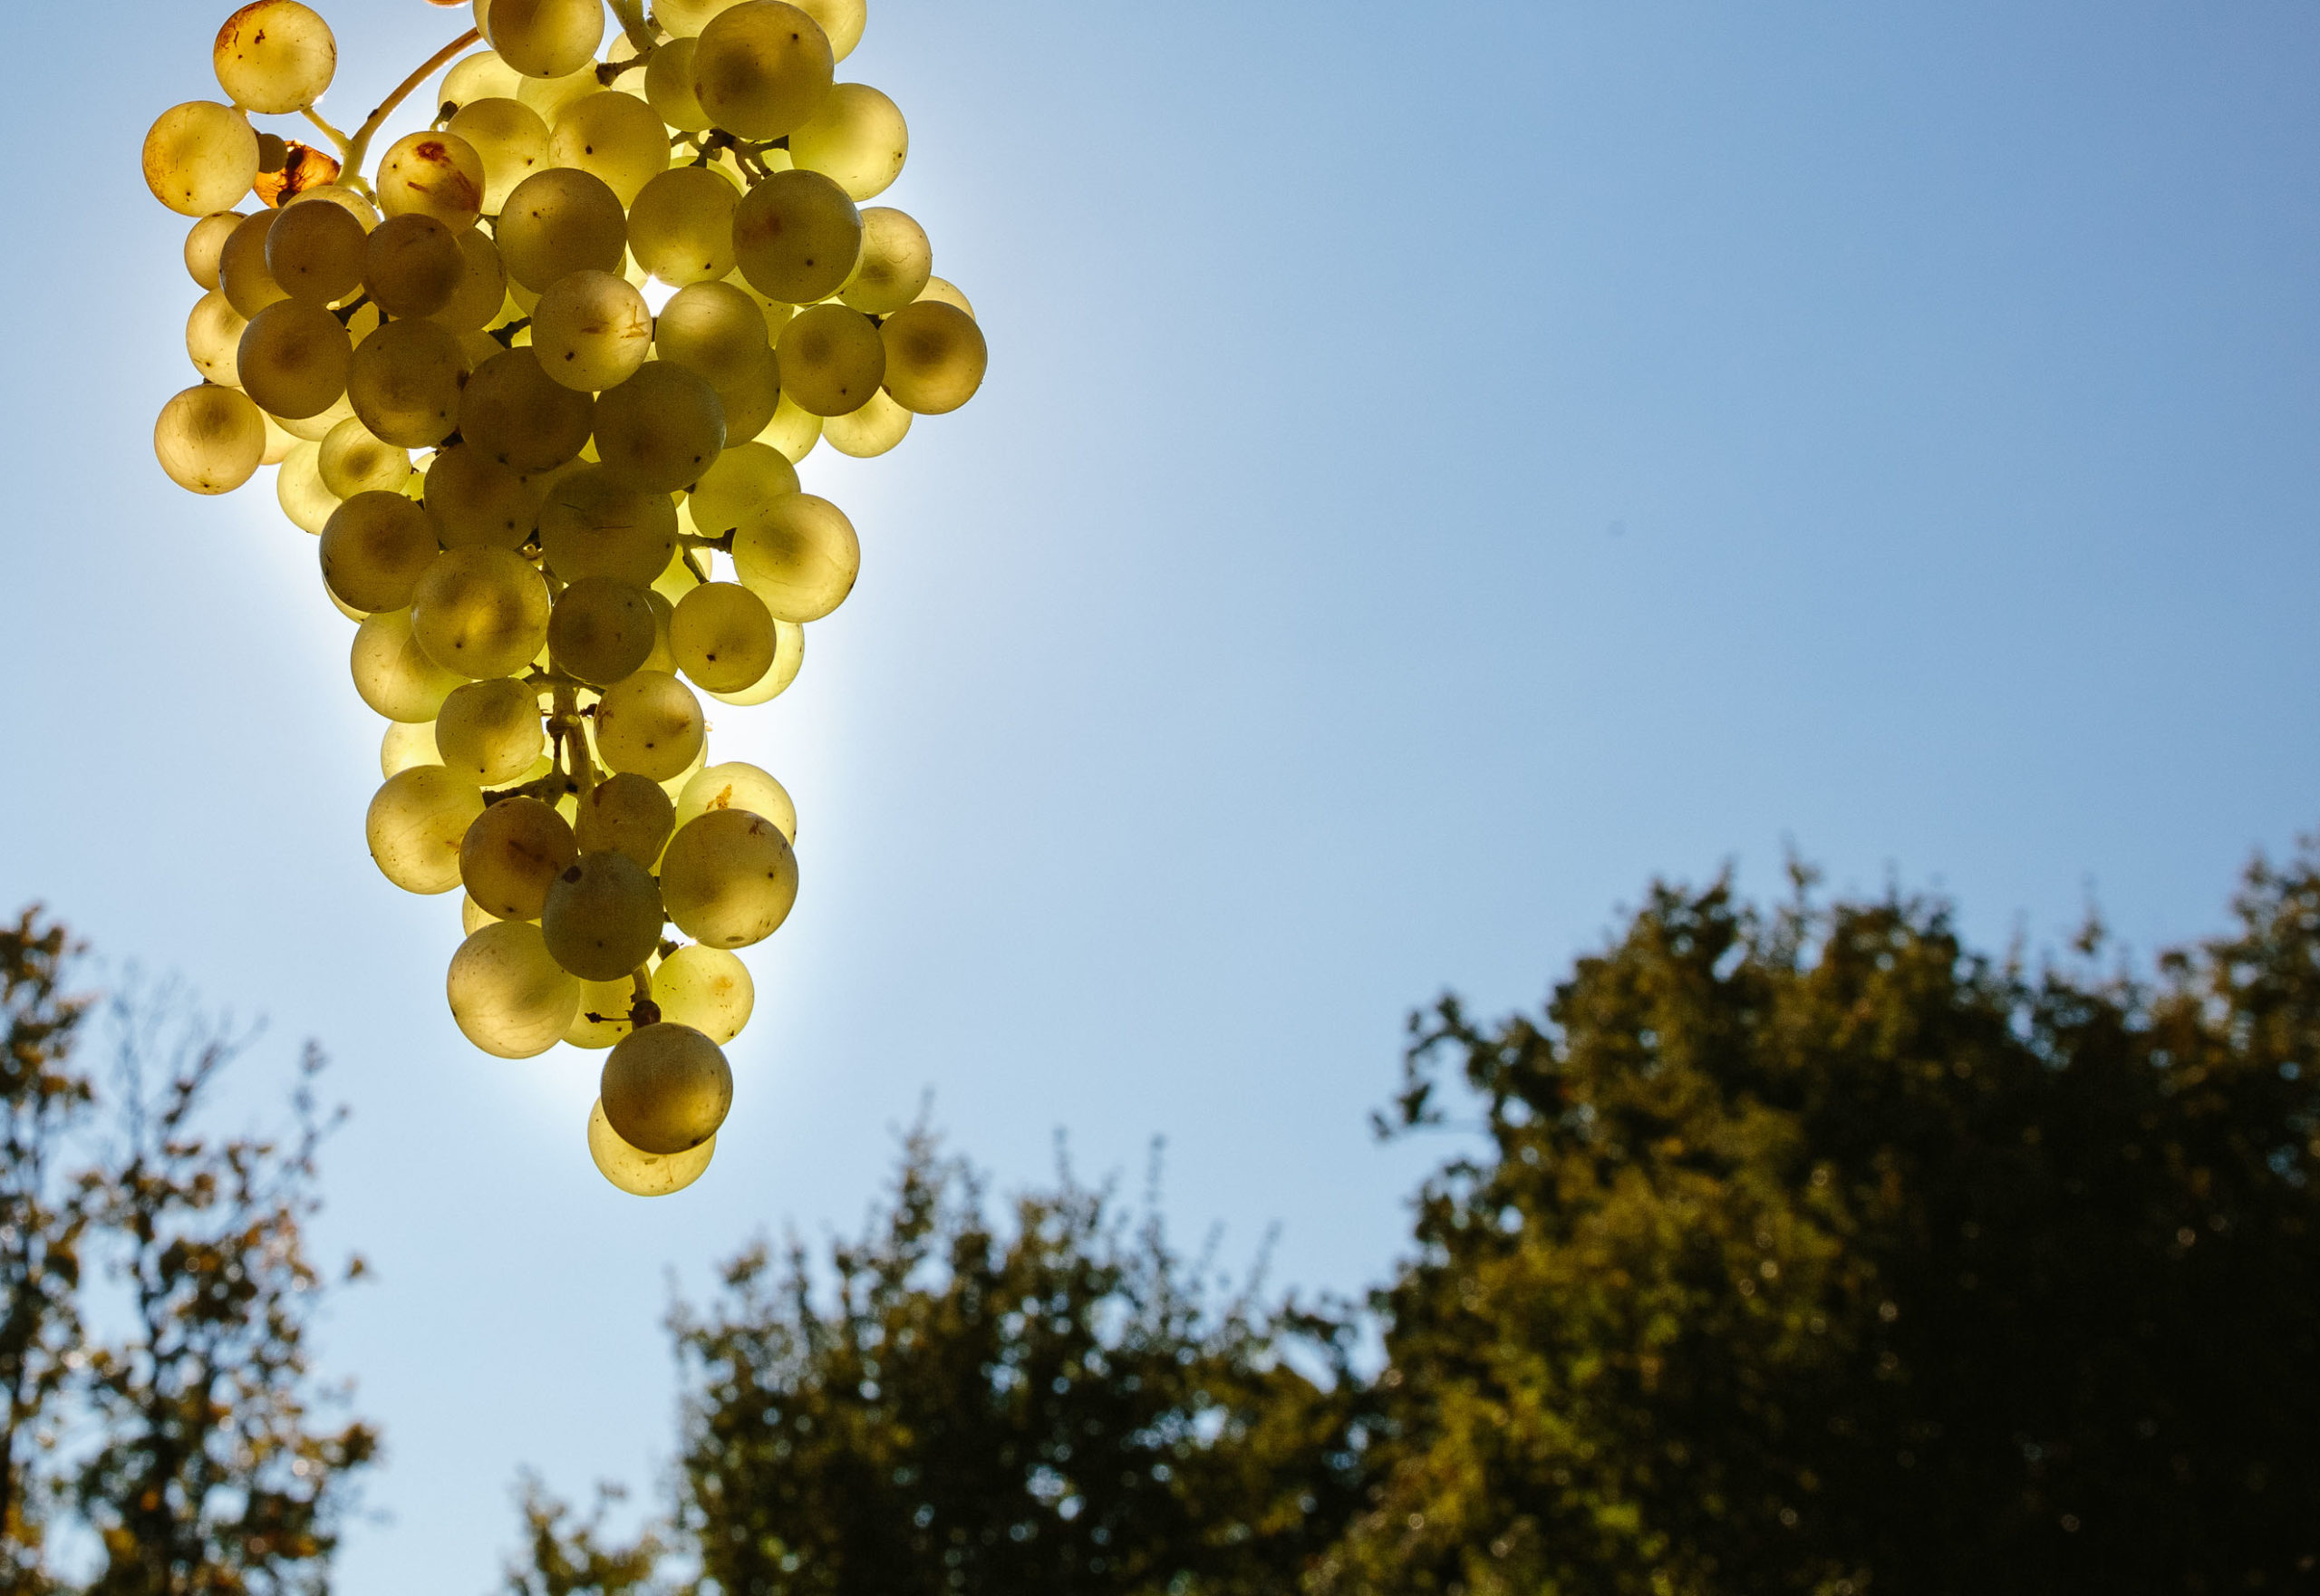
728 879
745 475
295 359
544 38
559 221
832 360
275 56
510 998
761 69
842 20
405 381
613 136
722 636
393 674
432 174
940 292
474 500
685 19
514 413
406 746
314 253
352 462
603 916
204 242
416 825
897 262
751 402
213 339
668 87
242 274
480 612
651 725
789 655
200 156
667 1088
375 549
857 139
592 330
738 785
481 291
680 225
298 488
489 731
633 1170
609 1001
712 330
797 235
798 554
209 440
602 629
629 815
511 139
480 76
662 659
512 853
793 431
708 989
593 525
872 430
660 429
412 265
935 357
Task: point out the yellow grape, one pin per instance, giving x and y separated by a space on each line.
507 996
542 38
560 220
650 724
405 382
209 440
200 156
242 274
480 612
393 674
591 524
761 69
314 253
633 1170
897 262
935 357
412 265
432 174
722 636
728 879
514 413
626 814
832 360
213 339
872 430
416 824
788 657
351 460
489 731
375 549
482 288
941 291
668 86
406 745
680 226
299 488
473 499
603 916
511 855
797 235
857 139
793 431
666 1089
707 988
738 785
591 330
842 20
745 475
511 139
798 554
203 242
613 136
751 402
609 1001
660 429
480 76
602 629
712 330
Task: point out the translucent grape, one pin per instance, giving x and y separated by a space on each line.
668 87
512 853
474 500
314 253
473 917
789 658
761 69
405 382
832 360
626 814
242 274
213 339
857 139
559 221
685 19
667 1088
393 674
680 226
510 998
314 429
745 475
752 402
941 291
660 429
842 20
544 38
897 262
797 235
661 659
480 612
591 330
638 1173
200 156
729 878
549 98
707 988
432 174
722 636
279 442
798 554
345 198
609 1001
935 357
613 136
872 430
205 240
793 431
375 549
299 488
602 629
603 916
412 265
416 825
593 525
209 440
651 725
405 746
514 413
490 732
712 330
275 56
738 785
511 139
480 76
482 289
353 461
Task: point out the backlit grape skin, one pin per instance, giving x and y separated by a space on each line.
561 522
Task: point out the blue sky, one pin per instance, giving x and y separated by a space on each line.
1441 466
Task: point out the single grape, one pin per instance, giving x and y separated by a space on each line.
559 221
544 38
592 524
416 825
405 746
602 629
798 554
939 291
489 731
626 814
638 1173
857 139
722 636
797 235
650 724
610 1002
480 76
242 272
712 329
789 658
474 500
708 989
200 156
668 86
613 136
508 997
738 785
412 265
480 612
375 549
481 292
209 440
745 475
729 878
666 1089
314 253
680 226
761 69
832 360
301 491
842 20
405 382
511 855
793 430
351 460
432 174
935 357
213 339
660 429
511 139
275 56
897 262
872 430
603 916
514 412
205 240
591 330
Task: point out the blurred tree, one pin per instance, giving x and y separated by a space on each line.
1809 1252
564 1555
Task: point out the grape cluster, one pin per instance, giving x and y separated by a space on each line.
537 386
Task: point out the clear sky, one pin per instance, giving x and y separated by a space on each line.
1441 466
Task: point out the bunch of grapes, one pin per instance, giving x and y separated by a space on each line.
540 387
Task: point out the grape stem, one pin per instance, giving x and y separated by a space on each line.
632 21
644 1011
354 150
